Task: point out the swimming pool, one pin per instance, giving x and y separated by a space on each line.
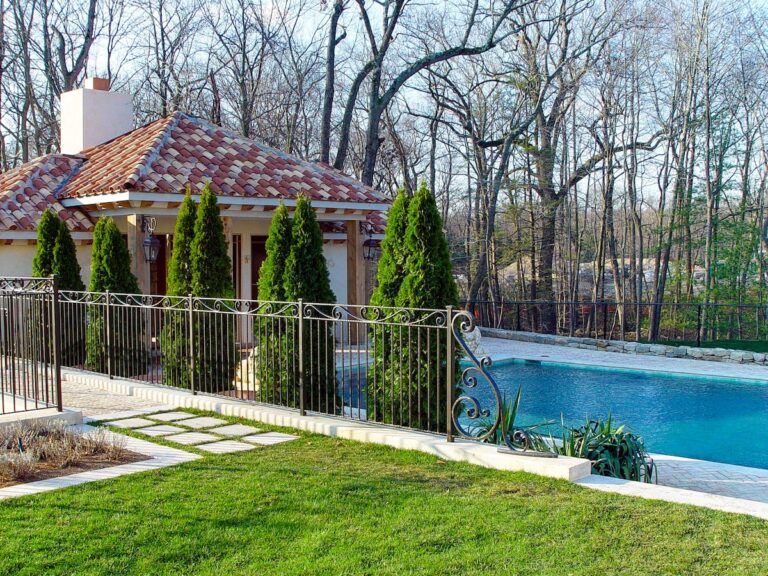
708 418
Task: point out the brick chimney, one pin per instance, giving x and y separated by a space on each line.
92 115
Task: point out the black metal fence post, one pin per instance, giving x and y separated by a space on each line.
108 334
56 333
302 408
450 376
191 342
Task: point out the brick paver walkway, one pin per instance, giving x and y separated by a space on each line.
92 401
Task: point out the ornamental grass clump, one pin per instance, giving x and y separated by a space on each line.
613 451
36 449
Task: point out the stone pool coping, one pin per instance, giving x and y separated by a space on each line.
720 355
506 349
159 457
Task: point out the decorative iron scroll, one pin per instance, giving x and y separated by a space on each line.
27 285
471 376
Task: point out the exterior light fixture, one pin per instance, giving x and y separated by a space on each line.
371 247
151 243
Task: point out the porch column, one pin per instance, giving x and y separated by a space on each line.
355 265
139 266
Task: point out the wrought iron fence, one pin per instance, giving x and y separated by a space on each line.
30 371
403 367
644 321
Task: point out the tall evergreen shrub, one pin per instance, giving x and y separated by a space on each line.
47 234
174 339
72 317
215 353
272 272
412 391
272 354
111 271
307 278
391 267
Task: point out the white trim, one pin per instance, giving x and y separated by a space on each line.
244 214
27 235
334 236
233 200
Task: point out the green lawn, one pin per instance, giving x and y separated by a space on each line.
325 506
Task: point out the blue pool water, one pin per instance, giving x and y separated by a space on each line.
722 420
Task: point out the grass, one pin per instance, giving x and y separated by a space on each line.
319 505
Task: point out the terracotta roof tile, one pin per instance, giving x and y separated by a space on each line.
26 191
180 149
166 156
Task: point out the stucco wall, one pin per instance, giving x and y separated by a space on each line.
16 260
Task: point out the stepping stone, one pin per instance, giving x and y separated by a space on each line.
269 438
235 430
162 430
192 438
226 447
131 423
171 416
203 422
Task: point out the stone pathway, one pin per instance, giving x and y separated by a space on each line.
206 433
94 401
698 475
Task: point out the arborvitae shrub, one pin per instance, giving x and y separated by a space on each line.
273 354
42 266
72 317
389 276
174 339
215 352
47 233
65 264
391 267
111 271
272 272
413 389
307 278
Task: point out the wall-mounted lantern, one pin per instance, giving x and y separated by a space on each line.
151 243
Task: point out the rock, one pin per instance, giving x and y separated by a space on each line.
758 357
658 349
630 346
676 352
642 348
695 352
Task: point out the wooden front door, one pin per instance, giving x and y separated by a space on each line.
258 255
158 271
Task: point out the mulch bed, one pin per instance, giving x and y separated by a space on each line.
46 470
